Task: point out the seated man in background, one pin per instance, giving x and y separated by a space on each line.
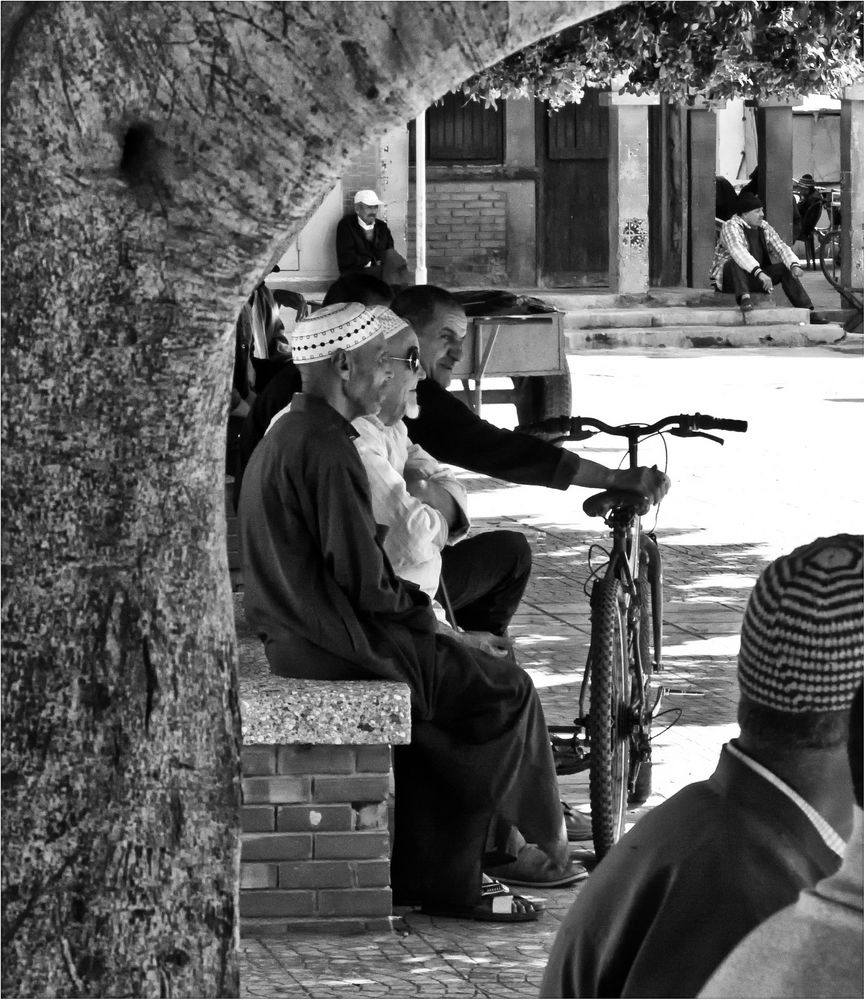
363 288
751 257
364 242
697 873
814 947
425 510
322 595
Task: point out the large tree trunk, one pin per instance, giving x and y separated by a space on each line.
157 159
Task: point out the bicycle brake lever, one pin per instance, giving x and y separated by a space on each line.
679 432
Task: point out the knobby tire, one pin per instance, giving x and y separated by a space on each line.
608 707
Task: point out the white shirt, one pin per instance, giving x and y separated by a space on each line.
416 532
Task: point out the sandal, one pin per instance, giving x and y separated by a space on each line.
494 909
578 825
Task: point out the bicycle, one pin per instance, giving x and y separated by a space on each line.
612 739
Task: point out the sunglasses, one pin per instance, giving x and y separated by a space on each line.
412 359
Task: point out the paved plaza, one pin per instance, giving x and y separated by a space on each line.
732 509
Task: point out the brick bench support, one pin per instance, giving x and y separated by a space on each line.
317 781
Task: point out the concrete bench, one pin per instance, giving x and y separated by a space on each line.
317 783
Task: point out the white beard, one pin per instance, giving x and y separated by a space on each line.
412 411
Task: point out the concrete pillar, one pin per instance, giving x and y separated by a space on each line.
775 163
629 192
521 171
701 194
852 194
393 183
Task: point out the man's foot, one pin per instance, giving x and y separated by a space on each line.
534 870
818 319
495 909
578 825
745 304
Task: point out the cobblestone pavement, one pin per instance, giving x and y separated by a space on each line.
714 539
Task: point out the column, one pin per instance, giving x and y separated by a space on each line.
393 183
852 195
629 192
775 163
702 127
521 171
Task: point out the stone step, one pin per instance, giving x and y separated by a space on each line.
773 335
588 319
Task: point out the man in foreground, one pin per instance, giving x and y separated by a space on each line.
325 600
814 947
696 874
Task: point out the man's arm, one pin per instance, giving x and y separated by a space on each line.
785 253
417 532
733 238
437 486
451 432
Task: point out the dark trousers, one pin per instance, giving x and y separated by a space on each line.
485 577
736 279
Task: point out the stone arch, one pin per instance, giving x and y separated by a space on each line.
157 159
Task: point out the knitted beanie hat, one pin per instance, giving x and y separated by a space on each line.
748 201
345 325
801 644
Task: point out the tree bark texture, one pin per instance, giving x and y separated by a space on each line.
158 158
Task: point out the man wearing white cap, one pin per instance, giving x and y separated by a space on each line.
325 600
362 239
700 871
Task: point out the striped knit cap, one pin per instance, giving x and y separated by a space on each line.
801 647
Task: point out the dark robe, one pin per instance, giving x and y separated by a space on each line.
323 596
453 433
354 252
680 890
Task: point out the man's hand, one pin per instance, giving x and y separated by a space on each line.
651 483
436 496
495 645
765 281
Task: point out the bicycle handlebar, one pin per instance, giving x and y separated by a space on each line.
683 424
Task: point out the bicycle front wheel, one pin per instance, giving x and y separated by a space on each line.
609 728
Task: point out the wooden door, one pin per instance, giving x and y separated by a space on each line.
573 203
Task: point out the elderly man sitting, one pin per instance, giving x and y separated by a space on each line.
324 598
424 507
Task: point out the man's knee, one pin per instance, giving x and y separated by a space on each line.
517 547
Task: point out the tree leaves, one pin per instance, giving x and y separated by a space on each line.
719 50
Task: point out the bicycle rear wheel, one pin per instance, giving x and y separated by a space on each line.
643 780
609 728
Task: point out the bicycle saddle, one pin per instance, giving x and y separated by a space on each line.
601 504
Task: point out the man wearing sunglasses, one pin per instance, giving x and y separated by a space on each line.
425 509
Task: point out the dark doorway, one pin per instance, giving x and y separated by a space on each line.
573 199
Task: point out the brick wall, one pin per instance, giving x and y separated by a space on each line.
315 850
466 232
362 172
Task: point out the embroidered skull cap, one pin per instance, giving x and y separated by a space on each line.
346 325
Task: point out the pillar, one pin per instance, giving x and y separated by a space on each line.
629 192
775 163
852 195
521 170
702 128
393 183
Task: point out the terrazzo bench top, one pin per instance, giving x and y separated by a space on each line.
286 710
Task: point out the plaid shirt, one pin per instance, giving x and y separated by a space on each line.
732 245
